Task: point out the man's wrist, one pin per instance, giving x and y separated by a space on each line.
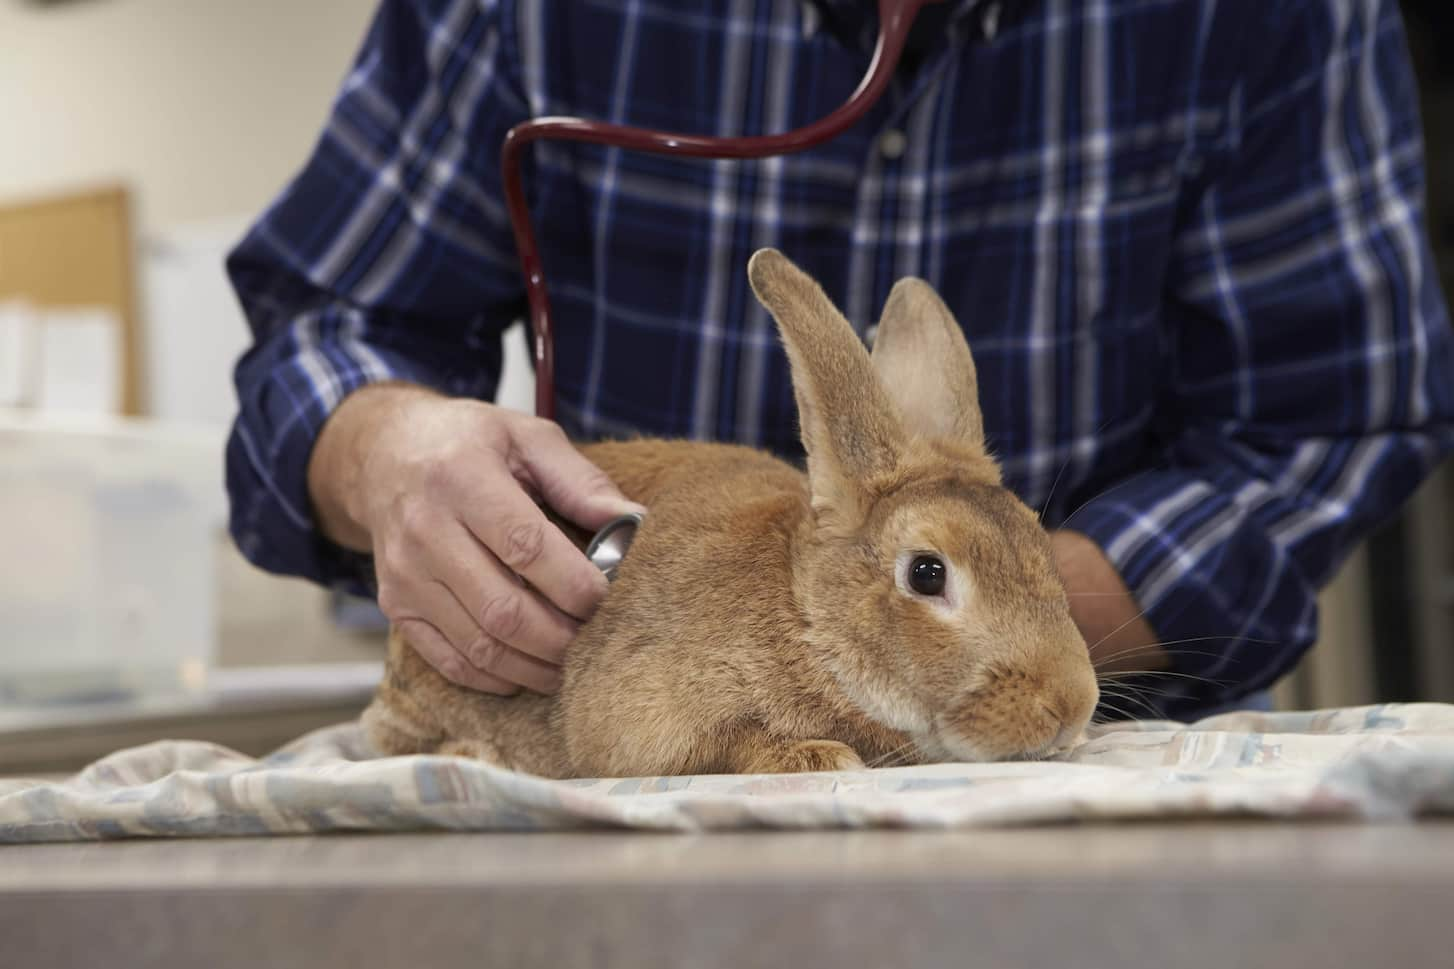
339 466
1113 623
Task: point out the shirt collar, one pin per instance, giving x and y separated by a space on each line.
855 22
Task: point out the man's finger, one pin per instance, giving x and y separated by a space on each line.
438 653
499 607
569 483
511 526
500 660
436 604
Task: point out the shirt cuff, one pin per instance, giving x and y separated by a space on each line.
1231 609
298 386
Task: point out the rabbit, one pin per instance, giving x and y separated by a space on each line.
892 602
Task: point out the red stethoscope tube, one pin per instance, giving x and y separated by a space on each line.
895 19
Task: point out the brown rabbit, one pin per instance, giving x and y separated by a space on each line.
896 601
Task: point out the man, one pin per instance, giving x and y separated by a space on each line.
1184 240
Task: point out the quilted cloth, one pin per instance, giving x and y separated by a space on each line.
1390 762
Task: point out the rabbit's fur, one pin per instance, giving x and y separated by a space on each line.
762 621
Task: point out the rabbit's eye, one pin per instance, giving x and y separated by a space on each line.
926 575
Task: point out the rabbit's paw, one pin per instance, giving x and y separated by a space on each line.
476 750
801 757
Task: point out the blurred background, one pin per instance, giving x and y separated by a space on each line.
139 138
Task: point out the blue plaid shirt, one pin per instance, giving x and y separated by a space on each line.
1185 239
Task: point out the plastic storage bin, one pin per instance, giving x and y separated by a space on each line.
107 557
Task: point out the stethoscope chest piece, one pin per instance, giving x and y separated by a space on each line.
609 546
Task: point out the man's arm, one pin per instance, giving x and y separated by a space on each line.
376 288
1311 386
1108 616
388 257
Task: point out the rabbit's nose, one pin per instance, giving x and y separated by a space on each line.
1076 710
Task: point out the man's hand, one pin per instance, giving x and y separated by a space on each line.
1108 616
442 491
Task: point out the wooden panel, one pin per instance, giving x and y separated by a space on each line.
1431 537
76 251
1338 671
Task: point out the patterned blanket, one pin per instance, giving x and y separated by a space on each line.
1388 762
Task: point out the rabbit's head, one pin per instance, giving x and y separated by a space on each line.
928 588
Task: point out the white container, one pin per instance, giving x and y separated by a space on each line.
107 557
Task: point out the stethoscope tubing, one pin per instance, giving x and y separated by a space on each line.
895 19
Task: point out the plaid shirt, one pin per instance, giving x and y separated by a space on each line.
1184 238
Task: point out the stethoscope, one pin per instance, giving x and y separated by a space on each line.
609 546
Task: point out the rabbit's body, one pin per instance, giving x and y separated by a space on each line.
893 603
730 706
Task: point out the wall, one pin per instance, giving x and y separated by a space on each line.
204 107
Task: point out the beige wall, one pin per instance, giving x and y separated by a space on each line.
205 107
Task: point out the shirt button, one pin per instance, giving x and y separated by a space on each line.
991 22
870 335
810 20
892 143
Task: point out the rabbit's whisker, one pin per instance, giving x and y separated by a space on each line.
1132 699
1150 647
1138 689
1118 711
1045 505
1117 629
1184 676
892 758
1099 494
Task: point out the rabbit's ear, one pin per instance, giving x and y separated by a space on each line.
925 365
850 428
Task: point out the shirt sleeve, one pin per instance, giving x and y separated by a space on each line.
388 257
1311 384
